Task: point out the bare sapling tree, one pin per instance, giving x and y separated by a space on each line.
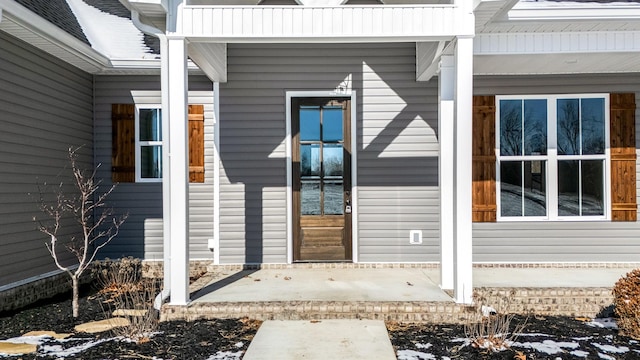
86 205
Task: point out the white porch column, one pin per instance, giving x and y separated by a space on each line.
177 147
462 247
446 81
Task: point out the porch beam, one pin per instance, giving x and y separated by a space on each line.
176 144
462 245
446 118
362 23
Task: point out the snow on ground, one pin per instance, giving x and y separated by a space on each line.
48 346
608 323
547 346
578 347
415 355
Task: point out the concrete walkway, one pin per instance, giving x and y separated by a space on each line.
321 340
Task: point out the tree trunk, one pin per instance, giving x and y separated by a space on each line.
74 301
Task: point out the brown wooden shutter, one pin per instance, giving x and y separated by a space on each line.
623 157
196 143
484 159
123 131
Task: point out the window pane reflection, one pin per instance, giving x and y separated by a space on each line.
569 188
310 160
568 127
592 187
151 161
332 160
150 126
332 123
510 127
593 126
535 127
309 123
523 188
511 188
310 197
333 198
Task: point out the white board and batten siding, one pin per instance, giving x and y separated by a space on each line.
559 241
141 234
397 150
45 108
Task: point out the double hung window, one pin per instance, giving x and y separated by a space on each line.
148 144
553 157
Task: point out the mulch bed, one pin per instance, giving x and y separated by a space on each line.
174 340
445 341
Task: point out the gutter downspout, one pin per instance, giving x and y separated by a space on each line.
166 225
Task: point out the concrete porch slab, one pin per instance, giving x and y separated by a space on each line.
323 339
384 292
324 285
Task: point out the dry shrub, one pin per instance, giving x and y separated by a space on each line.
123 289
488 325
626 301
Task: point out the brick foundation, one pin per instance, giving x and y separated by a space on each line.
582 302
23 295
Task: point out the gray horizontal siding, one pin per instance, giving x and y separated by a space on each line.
45 108
396 117
141 235
560 241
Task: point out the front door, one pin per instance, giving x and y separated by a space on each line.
321 152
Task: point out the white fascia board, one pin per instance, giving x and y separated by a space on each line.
367 23
52 34
557 43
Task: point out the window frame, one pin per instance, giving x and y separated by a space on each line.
139 143
552 158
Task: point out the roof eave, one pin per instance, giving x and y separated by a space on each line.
25 24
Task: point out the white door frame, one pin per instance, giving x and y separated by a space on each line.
350 94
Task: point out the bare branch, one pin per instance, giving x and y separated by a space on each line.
82 206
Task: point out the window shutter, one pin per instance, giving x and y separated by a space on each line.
623 157
196 143
123 160
484 159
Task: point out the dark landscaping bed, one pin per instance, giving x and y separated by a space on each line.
173 340
542 338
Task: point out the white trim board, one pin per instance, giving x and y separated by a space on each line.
351 94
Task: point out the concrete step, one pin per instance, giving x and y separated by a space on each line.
325 339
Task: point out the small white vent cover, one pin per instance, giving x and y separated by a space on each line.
415 237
